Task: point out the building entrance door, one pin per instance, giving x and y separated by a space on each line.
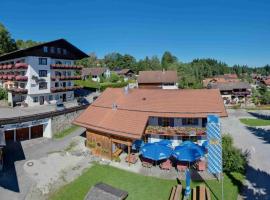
41 100
64 97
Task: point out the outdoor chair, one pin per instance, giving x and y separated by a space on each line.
181 166
132 158
167 165
147 163
201 165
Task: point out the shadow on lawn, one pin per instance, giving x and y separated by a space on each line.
8 177
259 116
261 133
258 186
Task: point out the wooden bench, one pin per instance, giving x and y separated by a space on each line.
176 192
201 193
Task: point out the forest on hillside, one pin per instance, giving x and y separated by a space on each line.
190 74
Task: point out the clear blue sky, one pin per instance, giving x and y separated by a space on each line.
233 31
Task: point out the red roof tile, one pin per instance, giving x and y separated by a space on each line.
137 105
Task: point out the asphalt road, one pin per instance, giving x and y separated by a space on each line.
256 141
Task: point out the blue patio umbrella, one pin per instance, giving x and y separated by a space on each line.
187 153
137 144
205 145
166 143
155 151
192 145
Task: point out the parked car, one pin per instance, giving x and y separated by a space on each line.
60 106
82 101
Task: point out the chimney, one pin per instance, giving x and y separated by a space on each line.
126 90
114 106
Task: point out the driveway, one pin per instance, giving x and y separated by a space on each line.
31 167
256 141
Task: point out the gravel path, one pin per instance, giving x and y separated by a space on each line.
256 141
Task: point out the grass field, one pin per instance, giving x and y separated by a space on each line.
255 122
65 132
139 186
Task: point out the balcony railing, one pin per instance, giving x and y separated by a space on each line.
241 92
175 131
18 90
62 78
58 66
63 89
12 77
13 66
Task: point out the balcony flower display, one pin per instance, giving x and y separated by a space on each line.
62 89
21 66
21 78
175 130
18 90
60 66
53 78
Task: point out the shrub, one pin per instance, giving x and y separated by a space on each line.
3 94
234 160
114 78
103 86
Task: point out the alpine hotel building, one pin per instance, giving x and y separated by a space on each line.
42 74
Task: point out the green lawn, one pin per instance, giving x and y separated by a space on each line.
138 186
65 132
87 84
101 86
255 122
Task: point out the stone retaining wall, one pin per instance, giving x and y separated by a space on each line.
62 122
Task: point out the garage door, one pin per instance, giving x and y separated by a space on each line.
37 131
9 135
22 134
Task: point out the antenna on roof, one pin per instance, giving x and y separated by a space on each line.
114 106
126 90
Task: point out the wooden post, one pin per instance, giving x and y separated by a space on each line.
128 155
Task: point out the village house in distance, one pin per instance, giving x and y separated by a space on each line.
95 73
42 74
232 89
158 79
148 114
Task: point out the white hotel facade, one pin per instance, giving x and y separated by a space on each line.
43 74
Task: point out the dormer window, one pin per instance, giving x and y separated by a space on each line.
45 49
59 50
64 51
52 50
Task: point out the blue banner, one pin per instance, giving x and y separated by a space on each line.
214 144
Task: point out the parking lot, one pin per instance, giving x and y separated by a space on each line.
32 168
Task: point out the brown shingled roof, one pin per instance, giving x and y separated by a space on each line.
134 108
94 71
157 77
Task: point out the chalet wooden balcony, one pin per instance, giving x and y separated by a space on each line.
18 90
13 66
63 78
58 66
175 131
64 89
12 77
